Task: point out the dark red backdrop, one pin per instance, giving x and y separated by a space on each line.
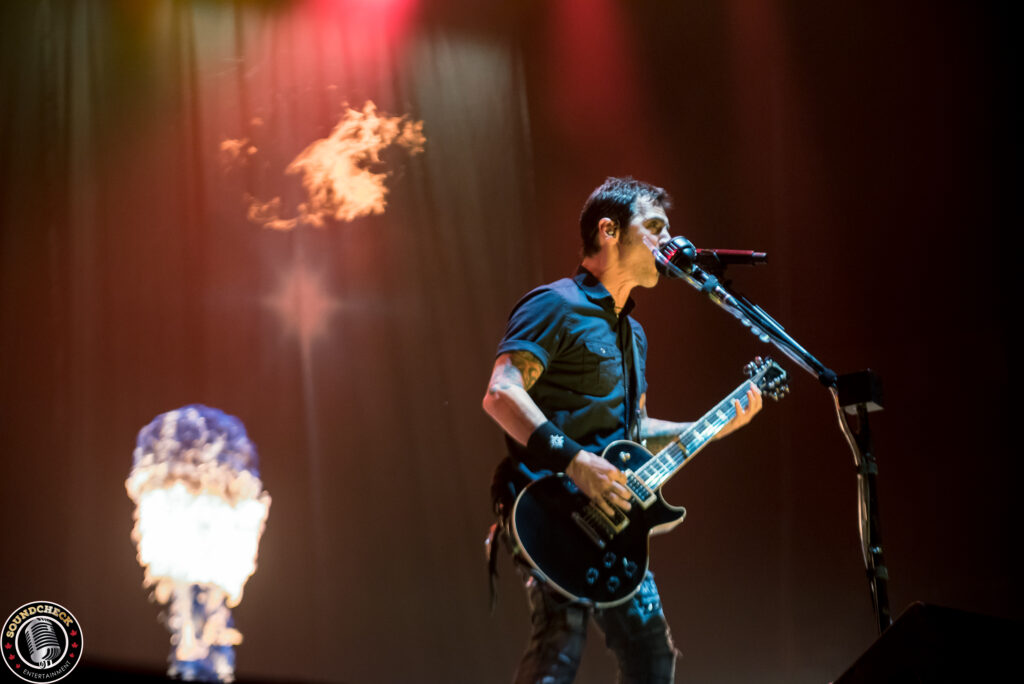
859 144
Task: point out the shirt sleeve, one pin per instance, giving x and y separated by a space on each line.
537 325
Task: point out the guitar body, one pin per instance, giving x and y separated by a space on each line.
586 555
576 548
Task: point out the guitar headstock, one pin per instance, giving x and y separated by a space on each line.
769 377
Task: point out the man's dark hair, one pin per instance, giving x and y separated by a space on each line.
616 199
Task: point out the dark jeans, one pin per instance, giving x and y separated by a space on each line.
635 631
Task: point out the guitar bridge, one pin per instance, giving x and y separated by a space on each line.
598 526
588 530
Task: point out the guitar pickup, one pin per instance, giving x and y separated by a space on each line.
642 493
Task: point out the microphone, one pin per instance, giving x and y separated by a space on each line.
675 259
718 258
678 256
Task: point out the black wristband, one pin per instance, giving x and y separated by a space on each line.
552 447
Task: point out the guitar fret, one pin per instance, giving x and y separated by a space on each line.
669 460
660 468
655 472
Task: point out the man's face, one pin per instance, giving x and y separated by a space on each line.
648 229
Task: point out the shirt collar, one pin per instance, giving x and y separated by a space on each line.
597 293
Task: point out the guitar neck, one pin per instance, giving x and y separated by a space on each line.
669 460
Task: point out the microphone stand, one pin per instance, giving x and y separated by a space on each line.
854 393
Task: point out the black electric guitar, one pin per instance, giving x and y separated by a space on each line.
591 557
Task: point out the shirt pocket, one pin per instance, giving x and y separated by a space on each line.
602 364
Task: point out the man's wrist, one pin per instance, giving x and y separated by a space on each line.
552 447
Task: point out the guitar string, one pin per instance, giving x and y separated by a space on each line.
656 471
659 469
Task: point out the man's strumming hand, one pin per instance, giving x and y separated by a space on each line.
600 480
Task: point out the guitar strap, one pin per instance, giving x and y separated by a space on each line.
491 551
633 428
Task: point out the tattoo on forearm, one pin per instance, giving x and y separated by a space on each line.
516 369
529 367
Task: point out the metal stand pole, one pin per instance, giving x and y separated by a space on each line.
854 393
859 394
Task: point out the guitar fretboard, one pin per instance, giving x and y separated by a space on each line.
669 460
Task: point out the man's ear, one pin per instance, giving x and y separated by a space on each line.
607 227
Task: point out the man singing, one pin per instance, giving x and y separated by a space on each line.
567 381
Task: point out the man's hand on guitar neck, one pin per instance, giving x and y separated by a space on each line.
600 480
754 403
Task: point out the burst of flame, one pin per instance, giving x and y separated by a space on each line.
207 637
336 170
199 538
235 152
200 510
342 174
267 214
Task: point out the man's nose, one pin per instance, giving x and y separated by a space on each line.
664 237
